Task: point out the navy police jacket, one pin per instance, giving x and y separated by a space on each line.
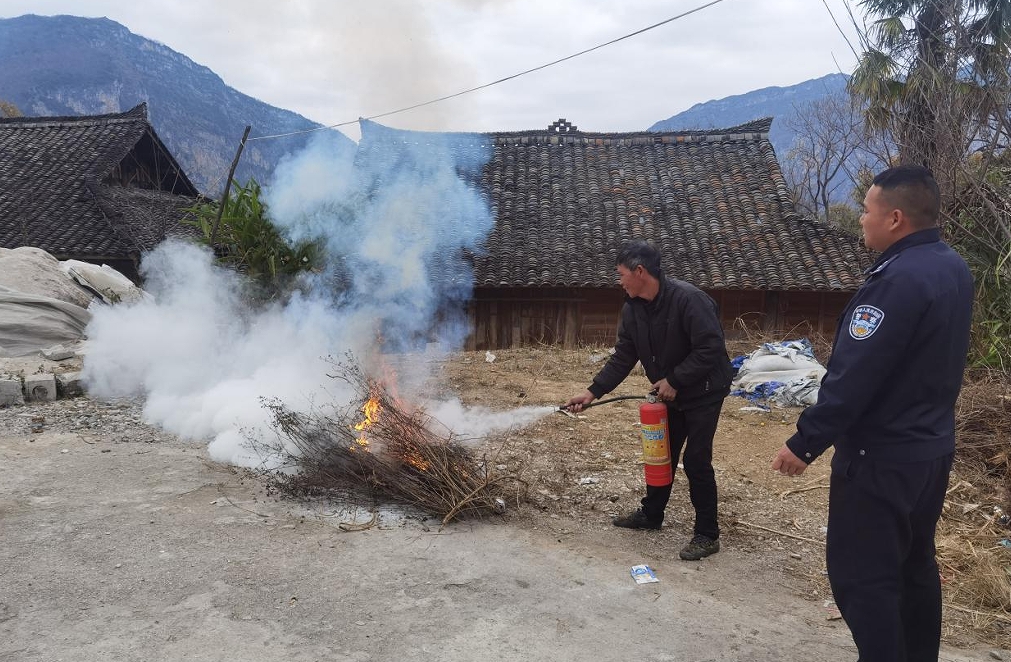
897 361
677 335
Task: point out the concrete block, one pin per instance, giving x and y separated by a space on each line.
10 392
68 384
40 387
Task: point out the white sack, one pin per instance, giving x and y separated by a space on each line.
105 281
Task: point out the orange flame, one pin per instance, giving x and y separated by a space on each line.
415 460
371 411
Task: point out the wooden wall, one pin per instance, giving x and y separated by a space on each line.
148 166
570 317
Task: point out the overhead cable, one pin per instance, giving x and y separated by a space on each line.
839 28
500 80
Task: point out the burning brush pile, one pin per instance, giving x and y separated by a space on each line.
390 450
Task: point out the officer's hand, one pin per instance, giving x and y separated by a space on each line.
787 463
664 391
577 403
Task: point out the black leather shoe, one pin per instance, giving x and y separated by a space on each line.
699 548
635 520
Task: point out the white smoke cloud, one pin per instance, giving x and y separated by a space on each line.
395 225
203 362
477 422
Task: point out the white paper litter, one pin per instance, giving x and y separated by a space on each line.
643 574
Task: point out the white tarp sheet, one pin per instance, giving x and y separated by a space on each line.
44 302
30 323
34 271
785 373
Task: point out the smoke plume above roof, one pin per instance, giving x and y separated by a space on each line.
398 218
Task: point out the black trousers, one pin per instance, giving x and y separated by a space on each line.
880 554
692 430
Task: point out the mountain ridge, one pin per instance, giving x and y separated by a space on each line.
778 102
97 66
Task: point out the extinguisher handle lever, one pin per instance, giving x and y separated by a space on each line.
652 396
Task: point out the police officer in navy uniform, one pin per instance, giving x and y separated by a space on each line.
887 405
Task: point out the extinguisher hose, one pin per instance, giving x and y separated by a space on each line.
565 408
614 399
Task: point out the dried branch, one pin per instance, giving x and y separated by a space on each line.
395 454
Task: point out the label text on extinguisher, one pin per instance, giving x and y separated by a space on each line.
654 443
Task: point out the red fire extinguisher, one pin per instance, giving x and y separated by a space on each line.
655 443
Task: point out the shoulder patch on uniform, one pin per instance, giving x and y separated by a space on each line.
865 321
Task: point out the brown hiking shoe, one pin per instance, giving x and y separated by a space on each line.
699 548
635 520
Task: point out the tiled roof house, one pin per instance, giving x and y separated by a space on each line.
98 188
714 202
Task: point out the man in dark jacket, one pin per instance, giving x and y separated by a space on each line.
887 404
673 329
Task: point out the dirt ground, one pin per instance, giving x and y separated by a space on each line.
122 542
778 521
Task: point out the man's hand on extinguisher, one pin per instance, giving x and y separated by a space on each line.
577 403
664 391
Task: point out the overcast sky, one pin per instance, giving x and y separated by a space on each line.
336 60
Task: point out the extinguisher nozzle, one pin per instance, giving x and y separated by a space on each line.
564 409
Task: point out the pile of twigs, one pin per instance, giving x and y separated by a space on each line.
397 454
983 423
975 526
973 563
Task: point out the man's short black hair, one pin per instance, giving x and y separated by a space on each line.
914 190
635 253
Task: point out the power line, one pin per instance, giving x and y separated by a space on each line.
837 27
500 80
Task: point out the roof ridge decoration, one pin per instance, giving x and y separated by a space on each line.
563 130
754 130
562 126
